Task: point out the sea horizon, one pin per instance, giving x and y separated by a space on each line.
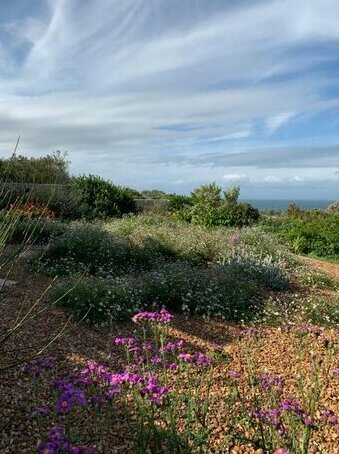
282 204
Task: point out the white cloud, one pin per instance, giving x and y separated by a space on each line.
105 78
276 121
234 176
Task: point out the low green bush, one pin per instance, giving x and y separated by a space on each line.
313 232
179 287
37 231
199 244
262 271
86 248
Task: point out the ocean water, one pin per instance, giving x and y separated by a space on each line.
282 205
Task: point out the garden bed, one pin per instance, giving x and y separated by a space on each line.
276 354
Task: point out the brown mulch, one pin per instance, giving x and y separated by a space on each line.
19 434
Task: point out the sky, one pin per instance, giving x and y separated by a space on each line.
172 94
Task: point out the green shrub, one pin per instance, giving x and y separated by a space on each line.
96 300
210 208
232 215
89 249
315 232
178 202
48 169
179 286
100 199
60 199
37 231
196 243
262 271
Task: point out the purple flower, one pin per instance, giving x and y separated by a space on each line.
163 317
307 328
271 381
171 347
187 357
333 420
46 363
272 417
336 372
51 447
157 394
78 396
147 346
40 365
281 451
116 379
308 421
172 366
197 359
153 391
56 433
293 406
93 368
56 442
329 416
113 391
132 379
202 360
124 340
233 373
133 348
64 403
156 359
62 385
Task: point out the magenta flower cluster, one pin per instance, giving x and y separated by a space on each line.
153 391
124 340
163 317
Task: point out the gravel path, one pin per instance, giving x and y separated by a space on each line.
332 269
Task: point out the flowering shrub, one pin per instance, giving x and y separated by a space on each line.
179 286
31 211
88 248
165 394
261 270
